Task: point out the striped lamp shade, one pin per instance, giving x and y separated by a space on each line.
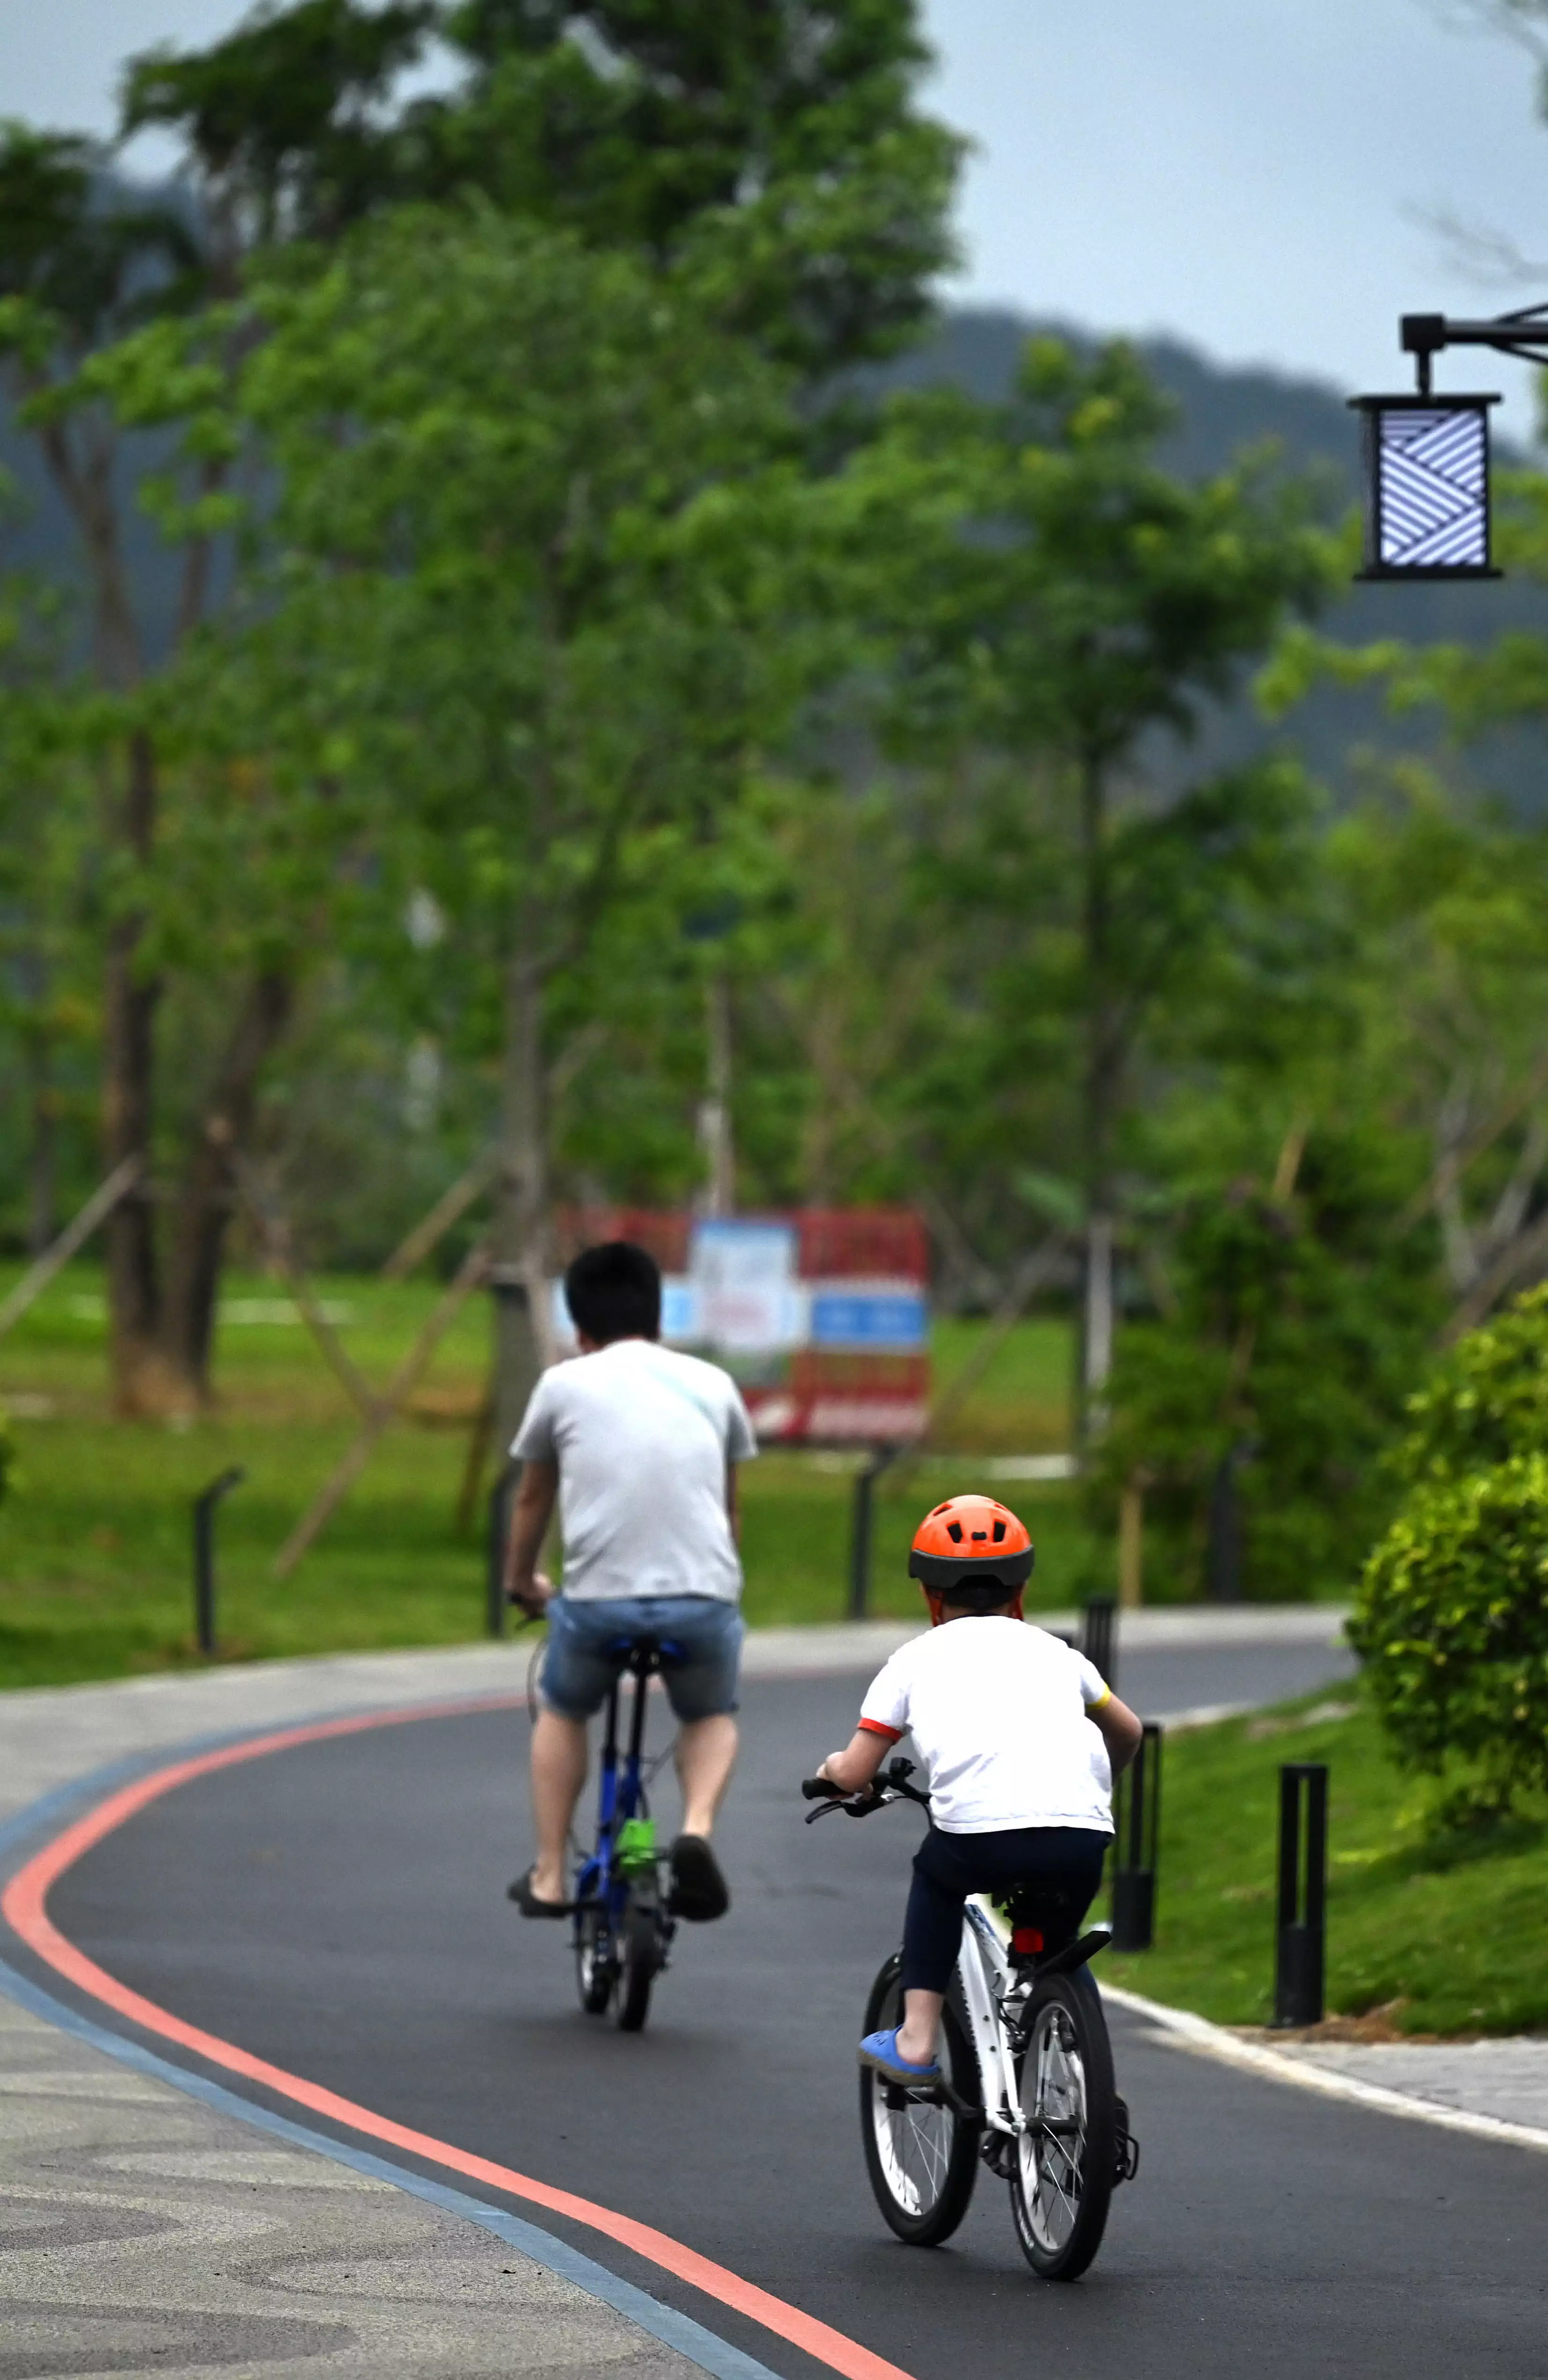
1426 486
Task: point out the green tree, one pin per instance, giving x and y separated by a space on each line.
1061 614
529 581
782 161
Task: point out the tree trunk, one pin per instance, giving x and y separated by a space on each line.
518 1272
1102 1071
717 1137
187 1320
129 1009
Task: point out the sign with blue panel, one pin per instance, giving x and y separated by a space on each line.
872 1321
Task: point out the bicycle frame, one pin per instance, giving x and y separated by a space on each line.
988 1980
619 1792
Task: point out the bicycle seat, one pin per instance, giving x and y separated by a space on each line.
644 1655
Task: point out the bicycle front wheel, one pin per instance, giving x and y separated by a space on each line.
1062 2184
921 2156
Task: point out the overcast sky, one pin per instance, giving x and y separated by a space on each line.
1262 177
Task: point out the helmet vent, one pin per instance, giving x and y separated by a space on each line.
940 1509
954 1531
979 1536
998 1531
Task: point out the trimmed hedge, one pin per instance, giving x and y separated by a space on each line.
1451 1621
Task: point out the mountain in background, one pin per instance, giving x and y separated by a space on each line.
1220 411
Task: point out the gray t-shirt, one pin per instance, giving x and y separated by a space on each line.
642 1437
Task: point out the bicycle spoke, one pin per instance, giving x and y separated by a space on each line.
1053 2149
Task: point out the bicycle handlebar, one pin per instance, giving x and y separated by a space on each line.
892 1785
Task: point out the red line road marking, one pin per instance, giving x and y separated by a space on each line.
24 1906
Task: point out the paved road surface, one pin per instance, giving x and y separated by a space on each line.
338 1909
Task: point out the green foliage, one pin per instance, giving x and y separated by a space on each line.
1294 1328
1486 1404
1451 1621
1452 1613
1424 1936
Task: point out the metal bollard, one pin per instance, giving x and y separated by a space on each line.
1301 1963
499 1532
1099 1634
1136 1845
204 1554
861 1529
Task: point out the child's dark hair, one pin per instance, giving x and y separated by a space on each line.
978 1597
614 1292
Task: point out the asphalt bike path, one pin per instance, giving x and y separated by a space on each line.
338 1909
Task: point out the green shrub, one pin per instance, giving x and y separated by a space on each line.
1451 1621
1487 1403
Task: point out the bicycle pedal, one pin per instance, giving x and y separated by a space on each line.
1128 2161
998 2152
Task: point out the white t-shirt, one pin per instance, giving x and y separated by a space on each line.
999 1712
642 1437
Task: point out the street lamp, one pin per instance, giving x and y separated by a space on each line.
1425 458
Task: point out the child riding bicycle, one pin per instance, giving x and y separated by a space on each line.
1022 1739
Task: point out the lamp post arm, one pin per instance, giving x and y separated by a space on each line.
1523 334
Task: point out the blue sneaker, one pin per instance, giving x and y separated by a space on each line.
880 2050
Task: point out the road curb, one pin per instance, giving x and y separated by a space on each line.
1215 2041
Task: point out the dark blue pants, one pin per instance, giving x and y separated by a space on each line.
1057 1869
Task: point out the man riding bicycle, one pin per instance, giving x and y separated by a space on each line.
640 1444
1020 1737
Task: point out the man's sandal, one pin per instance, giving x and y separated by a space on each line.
698 1890
529 1904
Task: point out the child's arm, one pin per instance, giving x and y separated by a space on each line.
862 1756
1120 1730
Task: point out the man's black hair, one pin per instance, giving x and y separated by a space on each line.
614 1292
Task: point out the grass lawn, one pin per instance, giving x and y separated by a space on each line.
94 1545
1435 1938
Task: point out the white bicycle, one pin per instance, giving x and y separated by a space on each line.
1026 2083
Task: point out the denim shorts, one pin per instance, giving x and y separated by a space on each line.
588 1643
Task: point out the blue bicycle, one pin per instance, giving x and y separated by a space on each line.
624 1927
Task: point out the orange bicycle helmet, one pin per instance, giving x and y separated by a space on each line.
973 1548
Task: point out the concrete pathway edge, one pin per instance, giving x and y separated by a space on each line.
1216 2041
689 2338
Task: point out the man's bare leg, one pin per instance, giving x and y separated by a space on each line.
559 1764
705 1755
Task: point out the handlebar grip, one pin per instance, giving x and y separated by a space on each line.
820 1789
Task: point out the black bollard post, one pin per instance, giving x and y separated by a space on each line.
861 1529
499 1532
1099 1636
204 1554
1136 1848
1301 1962
1223 1545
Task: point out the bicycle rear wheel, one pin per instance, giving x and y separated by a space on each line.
1062 2184
639 1950
922 2157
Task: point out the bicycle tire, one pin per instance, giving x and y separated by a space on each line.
596 1966
639 1950
921 2159
1062 2184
